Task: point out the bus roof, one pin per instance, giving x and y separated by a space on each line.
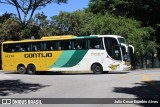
63 37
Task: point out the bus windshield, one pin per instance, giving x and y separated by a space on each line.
124 48
112 48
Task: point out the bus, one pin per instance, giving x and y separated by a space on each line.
96 53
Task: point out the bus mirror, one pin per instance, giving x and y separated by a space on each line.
132 47
124 45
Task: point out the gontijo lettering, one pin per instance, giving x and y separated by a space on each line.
37 55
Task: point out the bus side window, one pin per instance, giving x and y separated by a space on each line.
34 48
37 46
17 48
49 46
6 48
13 50
59 48
64 45
28 49
24 47
95 43
80 44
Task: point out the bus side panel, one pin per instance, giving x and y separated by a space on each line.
98 56
8 61
70 60
101 57
81 60
41 60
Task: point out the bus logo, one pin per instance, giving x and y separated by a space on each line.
38 55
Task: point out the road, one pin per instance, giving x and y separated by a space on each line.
134 84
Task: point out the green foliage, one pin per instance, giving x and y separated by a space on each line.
6 16
146 11
46 26
72 23
118 17
30 31
10 29
144 34
86 23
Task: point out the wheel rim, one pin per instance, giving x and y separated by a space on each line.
98 69
21 70
31 69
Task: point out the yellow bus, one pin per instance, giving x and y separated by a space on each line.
97 53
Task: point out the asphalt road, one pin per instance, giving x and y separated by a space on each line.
134 84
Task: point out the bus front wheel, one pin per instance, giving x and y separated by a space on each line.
97 68
21 69
31 69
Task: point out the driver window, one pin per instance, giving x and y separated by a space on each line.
112 48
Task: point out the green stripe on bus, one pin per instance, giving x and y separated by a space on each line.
63 59
76 58
85 37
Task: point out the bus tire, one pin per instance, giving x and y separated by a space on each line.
97 68
31 69
21 69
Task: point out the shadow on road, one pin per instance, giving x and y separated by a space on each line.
16 86
146 90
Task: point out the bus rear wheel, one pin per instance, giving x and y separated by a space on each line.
21 69
31 69
97 68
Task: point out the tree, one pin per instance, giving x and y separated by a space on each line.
146 11
101 6
47 27
86 23
72 23
10 29
6 16
29 6
66 23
